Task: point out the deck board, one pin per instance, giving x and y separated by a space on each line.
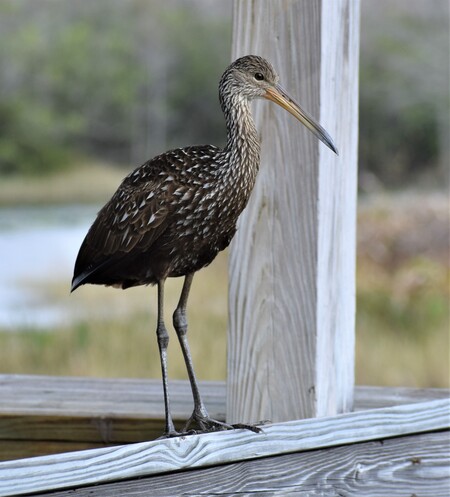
409 465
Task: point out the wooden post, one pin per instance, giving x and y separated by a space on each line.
292 262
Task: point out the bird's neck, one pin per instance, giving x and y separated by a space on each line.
242 138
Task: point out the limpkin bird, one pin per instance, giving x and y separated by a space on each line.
171 216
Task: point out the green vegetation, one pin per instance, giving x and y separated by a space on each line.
27 140
113 81
404 96
118 82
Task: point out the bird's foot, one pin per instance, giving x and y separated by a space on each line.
205 424
170 433
170 430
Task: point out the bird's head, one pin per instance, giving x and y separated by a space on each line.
253 77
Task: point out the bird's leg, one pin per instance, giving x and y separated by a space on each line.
200 415
163 342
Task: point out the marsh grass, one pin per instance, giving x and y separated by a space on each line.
402 311
403 291
114 335
85 183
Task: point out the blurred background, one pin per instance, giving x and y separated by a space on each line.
90 90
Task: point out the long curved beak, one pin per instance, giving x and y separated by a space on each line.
280 97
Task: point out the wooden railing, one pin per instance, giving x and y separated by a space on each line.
396 439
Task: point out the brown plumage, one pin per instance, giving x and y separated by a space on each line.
171 216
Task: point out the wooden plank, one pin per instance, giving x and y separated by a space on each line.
149 458
41 394
410 465
376 397
138 398
292 262
54 396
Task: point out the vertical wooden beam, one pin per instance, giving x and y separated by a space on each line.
292 262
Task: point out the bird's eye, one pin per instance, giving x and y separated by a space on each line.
259 77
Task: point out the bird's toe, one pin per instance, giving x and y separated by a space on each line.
206 424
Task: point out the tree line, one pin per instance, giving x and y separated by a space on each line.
120 81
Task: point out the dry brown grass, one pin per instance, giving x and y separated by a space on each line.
114 331
403 290
87 182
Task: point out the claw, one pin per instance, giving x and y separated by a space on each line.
243 426
207 424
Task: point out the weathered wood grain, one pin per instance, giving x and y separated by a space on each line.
40 394
292 290
404 466
130 397
149 458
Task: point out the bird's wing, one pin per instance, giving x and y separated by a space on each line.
141 209
131 218
137 214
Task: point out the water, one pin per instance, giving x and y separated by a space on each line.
37 245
